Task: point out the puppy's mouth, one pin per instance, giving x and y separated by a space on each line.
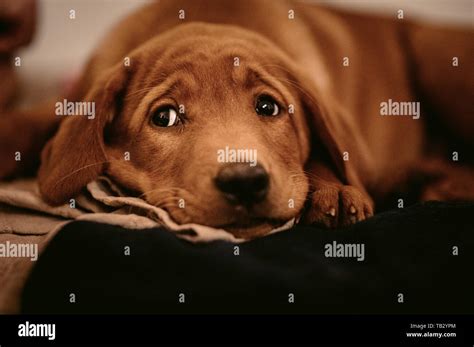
242 221
247 225
251 228
243 224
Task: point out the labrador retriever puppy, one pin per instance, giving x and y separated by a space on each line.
245 114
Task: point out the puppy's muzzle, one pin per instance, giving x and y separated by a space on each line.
243 184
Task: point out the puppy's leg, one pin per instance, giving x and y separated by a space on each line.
442 70
8 82
333 204
22 137
446 182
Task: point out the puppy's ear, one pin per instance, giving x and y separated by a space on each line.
334 131
75 156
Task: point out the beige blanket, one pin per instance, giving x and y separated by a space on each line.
26 219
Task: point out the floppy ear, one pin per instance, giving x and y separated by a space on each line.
332 128
75 156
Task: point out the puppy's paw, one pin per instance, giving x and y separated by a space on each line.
324 207
336 205
355 206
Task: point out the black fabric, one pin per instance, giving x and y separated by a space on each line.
408 251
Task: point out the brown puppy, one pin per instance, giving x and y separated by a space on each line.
17 24
180 83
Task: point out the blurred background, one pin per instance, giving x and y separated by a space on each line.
61 45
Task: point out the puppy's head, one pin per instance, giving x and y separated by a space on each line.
209 122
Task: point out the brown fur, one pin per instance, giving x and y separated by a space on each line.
298 62
17 24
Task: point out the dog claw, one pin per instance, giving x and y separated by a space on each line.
338 206
331 212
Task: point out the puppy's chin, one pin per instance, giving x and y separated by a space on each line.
244 228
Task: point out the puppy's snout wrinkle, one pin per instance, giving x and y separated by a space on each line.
242 183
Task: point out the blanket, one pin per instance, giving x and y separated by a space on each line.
416 259
26 219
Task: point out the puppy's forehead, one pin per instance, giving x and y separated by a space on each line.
200 70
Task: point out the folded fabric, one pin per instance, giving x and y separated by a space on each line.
26 219
14 271
103 202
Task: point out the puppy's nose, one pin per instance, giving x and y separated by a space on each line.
242 183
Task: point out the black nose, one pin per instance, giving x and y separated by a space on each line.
242 183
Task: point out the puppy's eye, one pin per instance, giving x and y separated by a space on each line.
266 106
165 117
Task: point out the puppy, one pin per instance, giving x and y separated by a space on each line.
179 85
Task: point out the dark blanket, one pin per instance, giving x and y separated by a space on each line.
407 251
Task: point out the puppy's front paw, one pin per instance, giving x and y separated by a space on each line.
336 205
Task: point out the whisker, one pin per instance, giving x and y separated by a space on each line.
170 189
85 167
